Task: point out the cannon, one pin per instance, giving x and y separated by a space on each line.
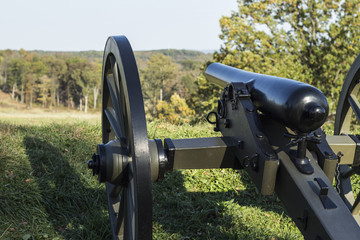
270 126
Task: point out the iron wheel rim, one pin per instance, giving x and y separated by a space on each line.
347 106
123 117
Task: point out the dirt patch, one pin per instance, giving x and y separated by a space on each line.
4 96
7 102
11 109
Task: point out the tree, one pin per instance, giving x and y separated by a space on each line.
157 80
175 112
3 67
92 77
5 56
205 98
17 71
37 70
56 71
190 65
48 78
311 41
44 85
29 88
73 82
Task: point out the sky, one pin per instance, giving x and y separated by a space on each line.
80 25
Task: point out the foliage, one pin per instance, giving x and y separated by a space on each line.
158 81
205 98
175 112
310 41
186 68
190 65
178 56
51 80
55 79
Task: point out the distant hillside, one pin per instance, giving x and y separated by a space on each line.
81 54
178 56
142 57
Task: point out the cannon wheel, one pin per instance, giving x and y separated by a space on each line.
123 118
348 106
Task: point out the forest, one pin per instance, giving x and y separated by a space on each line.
50 80
313 42
73 79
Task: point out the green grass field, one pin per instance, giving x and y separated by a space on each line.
47 192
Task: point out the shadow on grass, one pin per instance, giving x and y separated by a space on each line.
75 211
180 214
78 211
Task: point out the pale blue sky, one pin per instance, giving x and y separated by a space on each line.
76 25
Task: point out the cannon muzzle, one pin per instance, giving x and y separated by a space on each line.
297 105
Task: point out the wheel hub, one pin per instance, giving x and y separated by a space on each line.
109 162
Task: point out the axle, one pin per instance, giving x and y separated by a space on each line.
218 152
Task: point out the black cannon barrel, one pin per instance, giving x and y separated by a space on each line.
297 105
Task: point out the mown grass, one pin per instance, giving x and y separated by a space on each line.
47 192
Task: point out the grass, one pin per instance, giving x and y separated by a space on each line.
47 192
45 189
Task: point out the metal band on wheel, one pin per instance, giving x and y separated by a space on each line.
348 102
344 124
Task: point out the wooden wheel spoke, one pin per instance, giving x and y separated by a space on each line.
120 219
355 105
356 207
113 94
114 69
111 116
116 191
114 205
130 207
114 87
116 100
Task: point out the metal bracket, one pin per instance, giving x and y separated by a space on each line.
323 195
170 153
242 122
357 151
327 159
242 93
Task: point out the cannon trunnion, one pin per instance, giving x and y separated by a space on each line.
270 127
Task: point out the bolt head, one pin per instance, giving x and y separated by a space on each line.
91 164
94 164
259 135
227 123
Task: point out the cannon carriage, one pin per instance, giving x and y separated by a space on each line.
270 126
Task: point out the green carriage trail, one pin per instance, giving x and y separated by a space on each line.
47 192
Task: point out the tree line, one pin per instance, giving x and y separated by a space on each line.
50 80
73 80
